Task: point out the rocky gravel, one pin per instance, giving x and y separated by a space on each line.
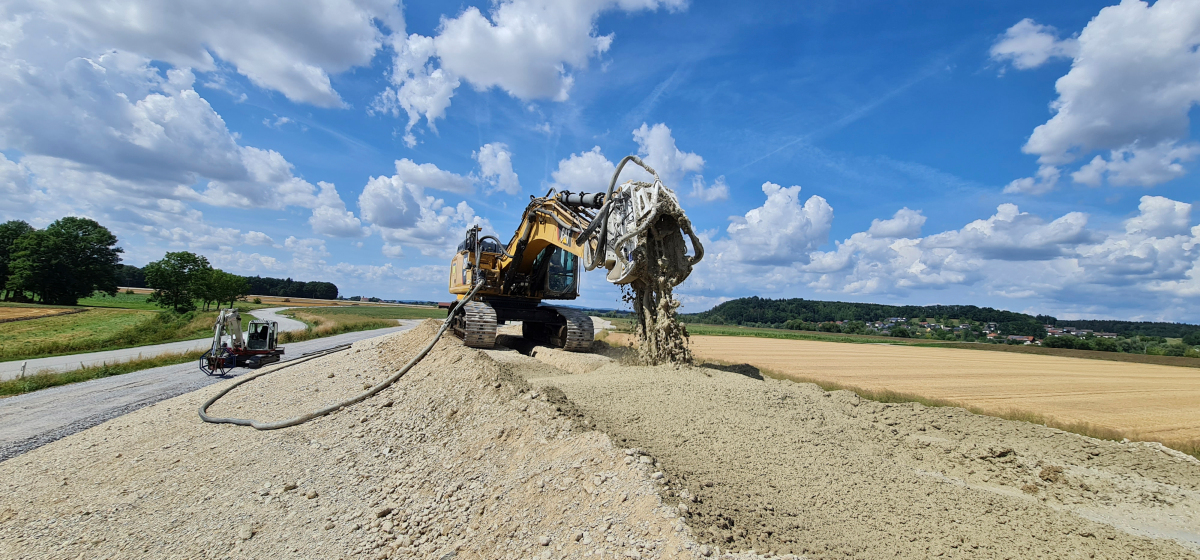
496 454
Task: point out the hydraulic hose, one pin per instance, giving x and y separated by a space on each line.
602 215
337 406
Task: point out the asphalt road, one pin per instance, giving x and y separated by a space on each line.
34 419
13 369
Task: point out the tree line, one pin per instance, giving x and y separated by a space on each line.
134 277
74 258
777 313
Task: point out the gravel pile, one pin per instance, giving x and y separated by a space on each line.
787 468
496 454
459 459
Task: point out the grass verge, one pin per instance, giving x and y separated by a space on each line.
376 312
320 326
1191 447
45 380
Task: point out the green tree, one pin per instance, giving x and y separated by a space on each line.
9 233
177 280
1192 338
70 259
227 287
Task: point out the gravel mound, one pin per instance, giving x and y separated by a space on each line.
461 458
782 467
496 454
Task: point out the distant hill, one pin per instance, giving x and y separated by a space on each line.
1131 328
756 311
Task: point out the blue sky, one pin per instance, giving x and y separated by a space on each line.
1025 155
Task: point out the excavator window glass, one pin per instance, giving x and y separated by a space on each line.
560 277
258 337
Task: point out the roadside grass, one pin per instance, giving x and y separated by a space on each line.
1191 447
320 326
99 329
378 312
45 380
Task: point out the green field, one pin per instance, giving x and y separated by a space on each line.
98 329
138 301
727 330
377 312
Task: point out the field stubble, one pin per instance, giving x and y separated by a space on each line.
1104 399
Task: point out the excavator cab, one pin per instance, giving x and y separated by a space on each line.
261 335
559 270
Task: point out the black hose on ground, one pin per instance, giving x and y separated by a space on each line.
337 406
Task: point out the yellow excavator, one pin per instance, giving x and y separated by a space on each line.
560 235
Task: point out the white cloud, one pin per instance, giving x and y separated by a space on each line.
781 231
405 216
1134 79
904 223
1143 167
1012 235
528 48
257 238
1029 45
330 216
657 148
1042 183
293 55
495 163
390 202
716 191
584 172
428 176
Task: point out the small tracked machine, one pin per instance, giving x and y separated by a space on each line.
231 348
560 235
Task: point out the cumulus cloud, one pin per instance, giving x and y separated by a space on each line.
658 150
1134 78
257 238
528 48
781 231
1029 45
429 176
584 172
708 193
330 216
404 215
1012 235
495 163
293 55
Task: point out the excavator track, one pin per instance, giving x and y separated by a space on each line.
477 325
579 331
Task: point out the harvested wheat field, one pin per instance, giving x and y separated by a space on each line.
20 313
495 454
1152 402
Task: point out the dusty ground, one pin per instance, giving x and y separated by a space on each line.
1152 401
500 455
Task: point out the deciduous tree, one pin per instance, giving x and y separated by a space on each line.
177 280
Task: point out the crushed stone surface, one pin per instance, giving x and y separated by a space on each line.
497 454
788 468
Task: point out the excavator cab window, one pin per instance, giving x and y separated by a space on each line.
560 268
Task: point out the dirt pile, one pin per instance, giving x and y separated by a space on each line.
782 467
496 454
460 458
